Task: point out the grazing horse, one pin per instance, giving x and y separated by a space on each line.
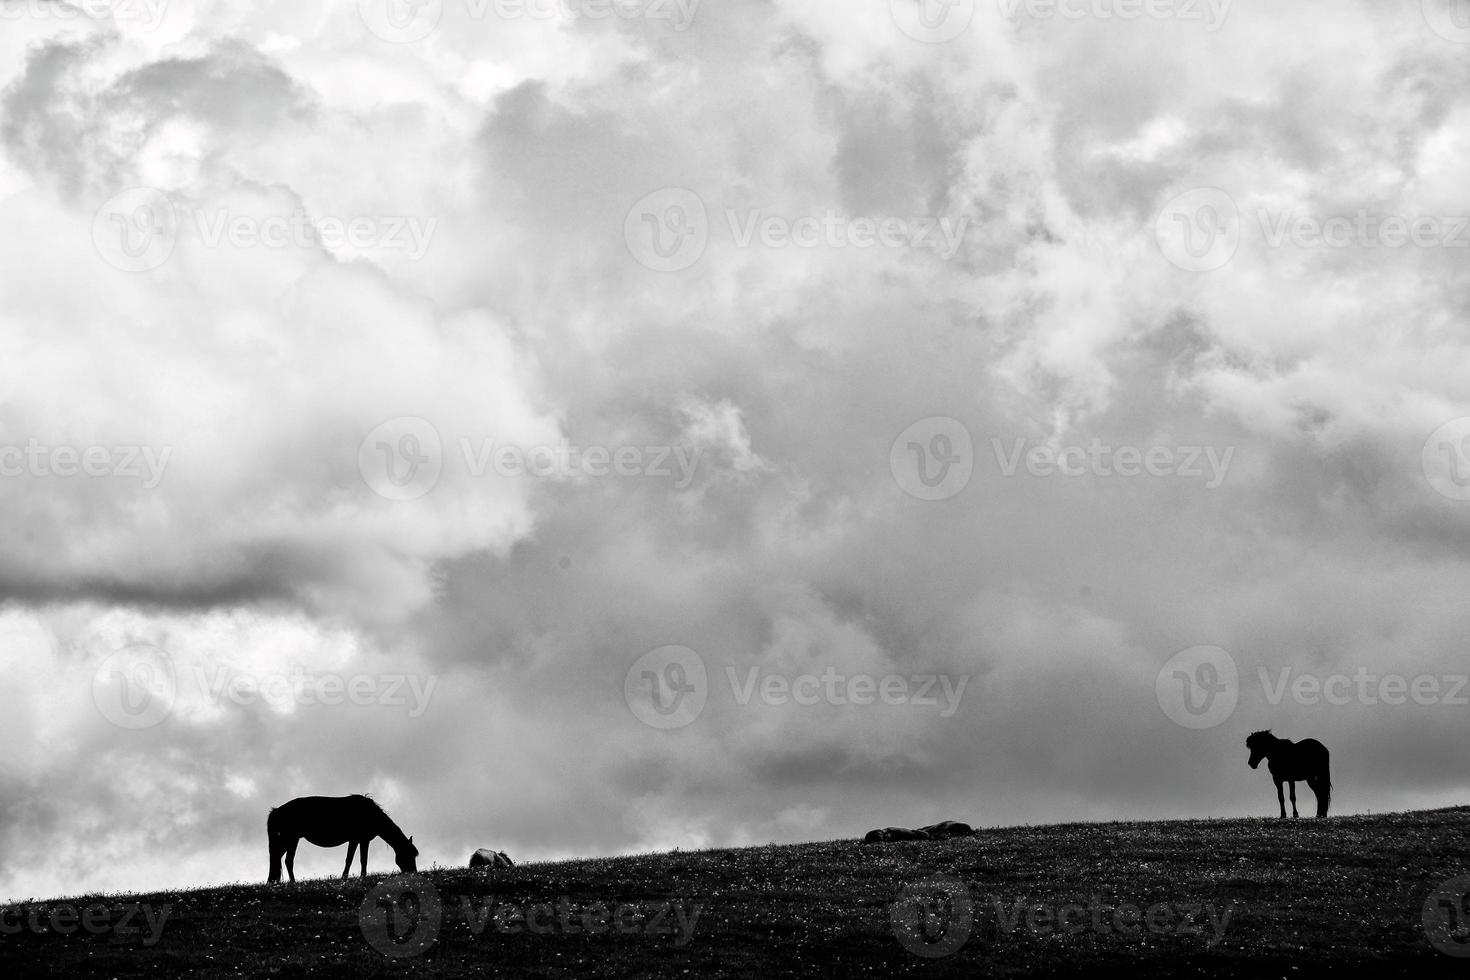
486 858
331 821
1289 761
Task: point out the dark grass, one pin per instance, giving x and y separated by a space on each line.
1336 897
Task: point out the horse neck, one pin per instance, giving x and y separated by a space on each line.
1277 746
388 830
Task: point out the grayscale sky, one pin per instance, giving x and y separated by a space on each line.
603 428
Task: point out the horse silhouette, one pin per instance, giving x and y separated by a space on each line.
331 821
1290 761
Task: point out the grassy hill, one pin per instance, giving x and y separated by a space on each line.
1169 898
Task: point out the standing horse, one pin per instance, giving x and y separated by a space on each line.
331 821
1289 761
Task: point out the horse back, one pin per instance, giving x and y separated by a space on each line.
1306 760
329 817
1311 752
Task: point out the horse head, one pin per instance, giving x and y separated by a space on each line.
1259 743
407 858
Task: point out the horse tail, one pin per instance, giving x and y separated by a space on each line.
1322 786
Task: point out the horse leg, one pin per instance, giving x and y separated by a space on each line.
364 857
1281 796
276 849
291 859
1294 814
351 850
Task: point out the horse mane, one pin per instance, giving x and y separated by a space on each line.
387 820
376 805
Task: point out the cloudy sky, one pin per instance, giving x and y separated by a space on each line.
599 428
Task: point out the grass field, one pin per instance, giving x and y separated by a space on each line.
1172 898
